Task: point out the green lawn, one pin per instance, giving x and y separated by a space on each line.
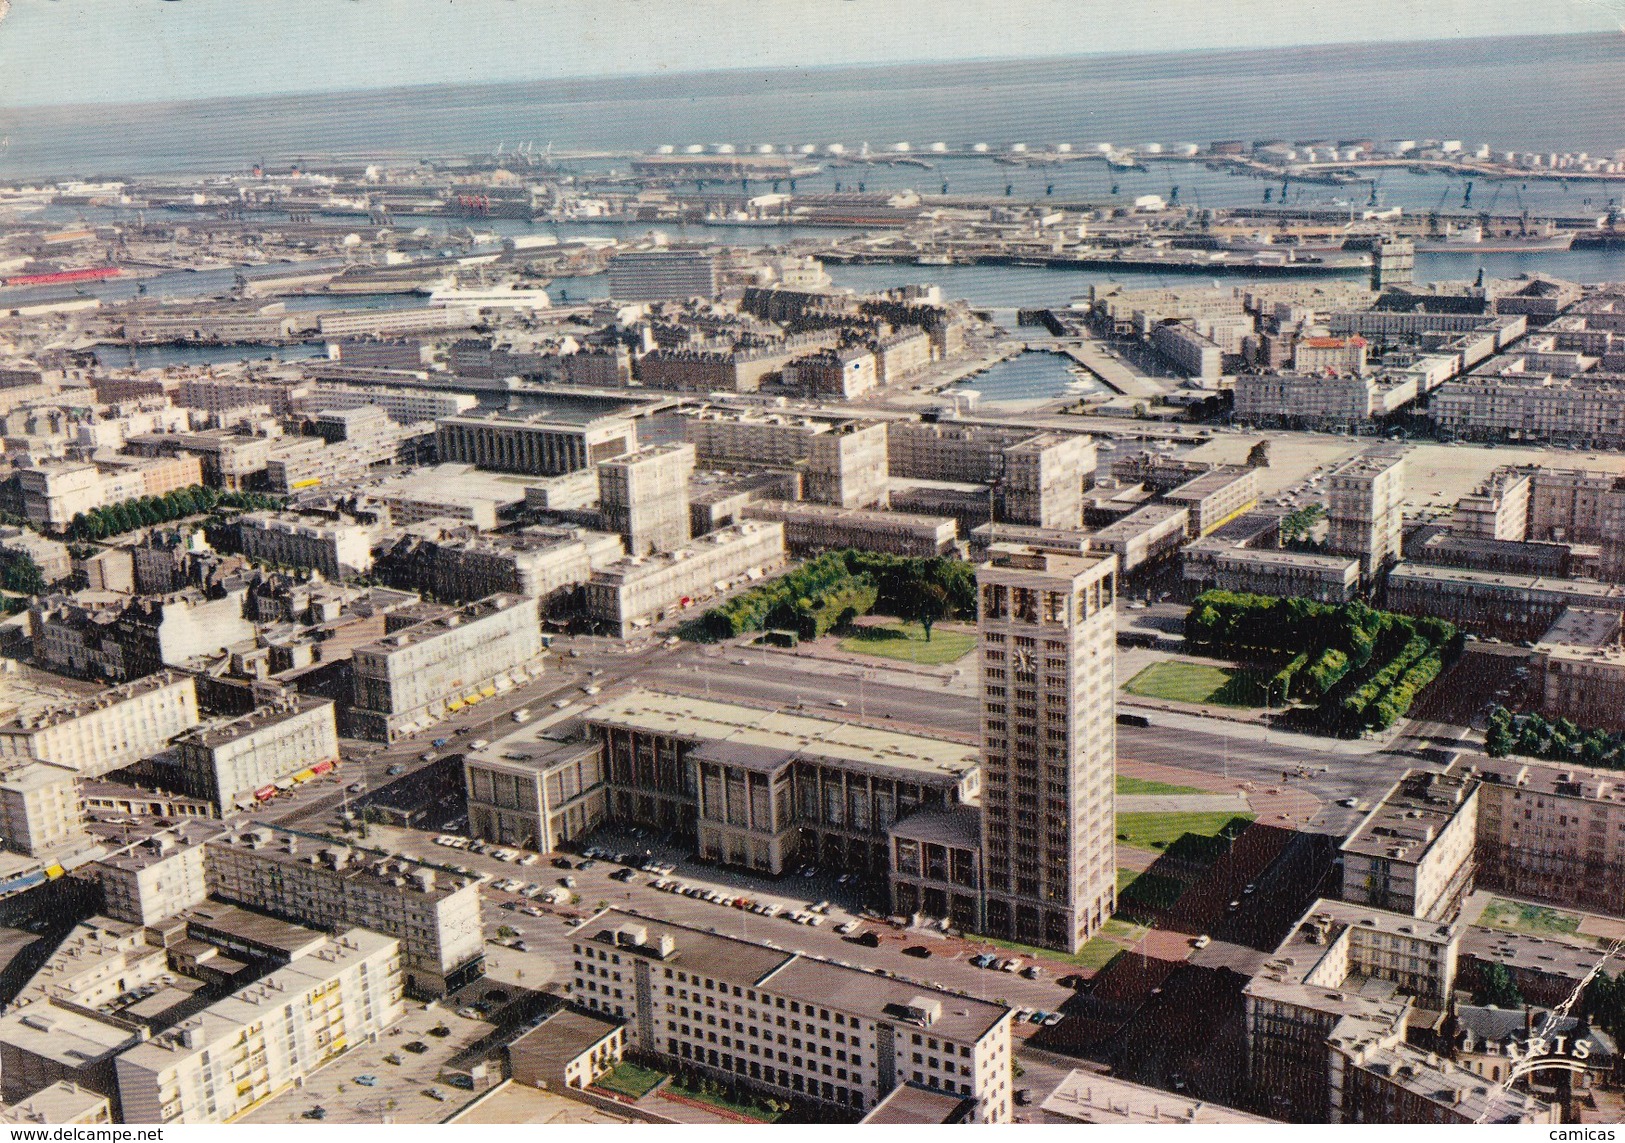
906 641
1097 954
1152 889
1189 835
717 1099
629 1079
1537 919
1146 786
1174 680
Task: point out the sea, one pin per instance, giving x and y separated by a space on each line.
1555 93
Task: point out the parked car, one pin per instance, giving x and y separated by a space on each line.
367 1080
435 1094
396 768
416 1047
1202 941
919 951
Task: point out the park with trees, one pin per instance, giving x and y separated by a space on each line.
1351 667
832 590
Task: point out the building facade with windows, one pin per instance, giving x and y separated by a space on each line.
840 1038
1046 624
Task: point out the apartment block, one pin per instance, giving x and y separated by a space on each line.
230 762
1495 604
1315 402
1365 509
158 876
434 913
1586 409
1413 853
404 405
823 527
338 548
219 394
460 565
662 275
1498 509
535 791
641 591
1041 481
446 659
1551 832
1216 497
1326 1043
644 497
1046 625
532 443
266 1038
104 732
842 373
1580 666
1216 563
1145 537
41 813
847 467
849 1037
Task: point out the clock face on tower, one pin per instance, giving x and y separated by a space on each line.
1024 660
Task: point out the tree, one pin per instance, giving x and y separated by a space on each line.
22 575
1259 455
929 604
1496 987
1298 526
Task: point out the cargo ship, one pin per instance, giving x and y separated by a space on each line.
1472 240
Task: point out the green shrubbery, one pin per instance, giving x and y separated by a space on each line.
831 590
1365 667
1557 740
143 511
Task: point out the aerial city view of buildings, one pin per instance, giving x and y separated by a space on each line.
524 636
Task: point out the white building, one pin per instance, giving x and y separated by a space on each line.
266 1038
788 1024
119 726
229 761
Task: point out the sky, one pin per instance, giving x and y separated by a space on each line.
131 51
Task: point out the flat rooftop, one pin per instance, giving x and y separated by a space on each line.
76 708
1583 628
1089 1097
1560 779
773 737
798 977
69 1037
1209 483
1406 823
288 706
248 1005
62 1102
907 1103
